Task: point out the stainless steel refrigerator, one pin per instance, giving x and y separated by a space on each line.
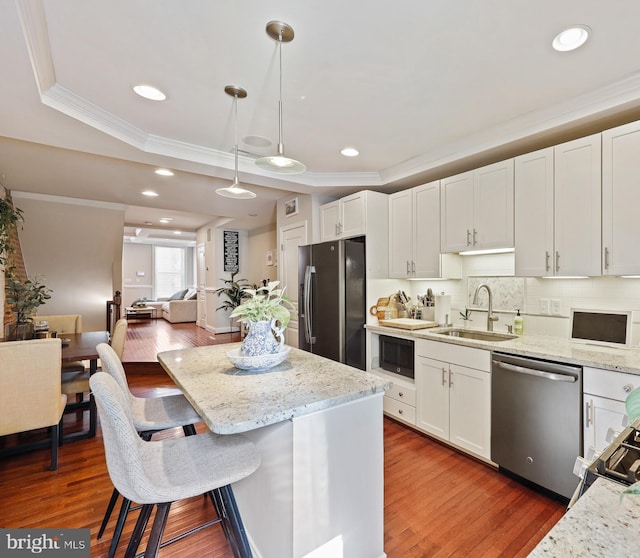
332 300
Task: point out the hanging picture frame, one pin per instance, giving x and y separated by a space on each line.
291 207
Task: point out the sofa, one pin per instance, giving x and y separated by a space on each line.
181 307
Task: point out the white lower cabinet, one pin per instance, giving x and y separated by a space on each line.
400 402
453 401
604 395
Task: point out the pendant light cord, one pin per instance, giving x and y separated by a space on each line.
235 106
280 139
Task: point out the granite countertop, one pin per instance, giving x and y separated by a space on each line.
232 400
598 524
537 346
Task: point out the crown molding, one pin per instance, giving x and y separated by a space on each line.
588 105
32 16
17 194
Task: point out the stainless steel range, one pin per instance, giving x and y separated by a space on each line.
620 462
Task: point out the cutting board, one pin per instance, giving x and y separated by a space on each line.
407 323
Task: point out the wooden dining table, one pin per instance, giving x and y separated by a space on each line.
82 346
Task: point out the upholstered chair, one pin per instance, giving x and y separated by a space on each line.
30 394
158 473
149 415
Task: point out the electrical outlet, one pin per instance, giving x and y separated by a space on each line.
544 306
555 306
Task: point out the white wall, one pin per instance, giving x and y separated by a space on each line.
260 243
136 258
217 321
77 246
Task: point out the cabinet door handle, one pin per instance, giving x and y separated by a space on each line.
606 257
401 394
400 411
413 266
450 378
588 419
547 256
468 237
557 261
627 388
475 233
408 267
336 229
444 372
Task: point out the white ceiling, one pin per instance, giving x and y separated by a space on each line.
414 85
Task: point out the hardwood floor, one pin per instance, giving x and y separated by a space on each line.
437 502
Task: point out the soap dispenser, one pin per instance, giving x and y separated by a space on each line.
518 323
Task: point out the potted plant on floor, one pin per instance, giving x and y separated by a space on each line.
266 310
24 298
234 291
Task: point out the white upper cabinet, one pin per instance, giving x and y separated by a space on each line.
414 235
534 213
477 209
330 221
343 218
363 213
400 234
557 210
577 207
621 200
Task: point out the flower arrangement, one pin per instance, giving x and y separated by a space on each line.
264 303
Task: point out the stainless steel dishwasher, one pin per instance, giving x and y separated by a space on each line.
536 420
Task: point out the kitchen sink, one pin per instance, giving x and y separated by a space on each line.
476 334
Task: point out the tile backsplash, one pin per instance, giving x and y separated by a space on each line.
544 303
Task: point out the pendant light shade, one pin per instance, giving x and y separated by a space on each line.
235 191
280 163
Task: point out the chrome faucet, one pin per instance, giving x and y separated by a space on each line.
490 317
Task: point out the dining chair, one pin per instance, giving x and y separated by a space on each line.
30 375
150 415
67 323
157 473
119 336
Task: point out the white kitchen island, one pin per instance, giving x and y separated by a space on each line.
318 425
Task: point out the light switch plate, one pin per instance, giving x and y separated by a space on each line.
544 306
555 306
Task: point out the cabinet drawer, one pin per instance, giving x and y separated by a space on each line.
403 394
399 410
610 384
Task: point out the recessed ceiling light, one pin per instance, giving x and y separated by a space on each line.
164 172
256 141
350 152
571 38
150 92
166 219
149 193
177 232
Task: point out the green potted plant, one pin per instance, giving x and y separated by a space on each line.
23 298
233 290
9 218
266 309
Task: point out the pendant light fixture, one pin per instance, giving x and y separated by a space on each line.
280 163
235 191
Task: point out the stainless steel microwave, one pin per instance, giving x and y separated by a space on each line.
396 355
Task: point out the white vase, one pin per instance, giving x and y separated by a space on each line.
261 338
